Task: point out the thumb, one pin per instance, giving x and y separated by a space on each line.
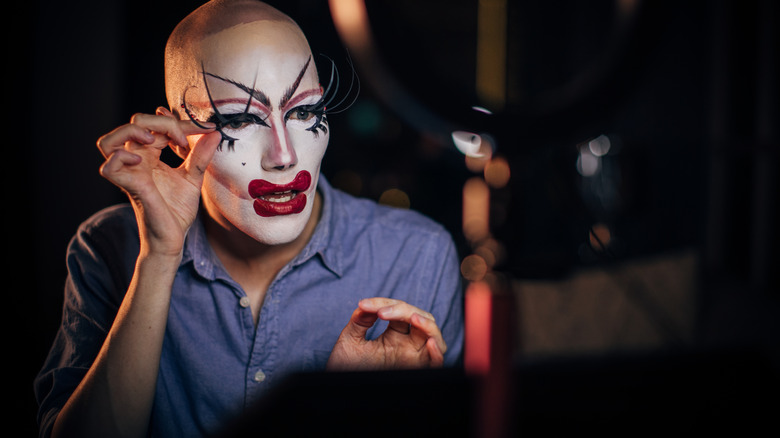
201 154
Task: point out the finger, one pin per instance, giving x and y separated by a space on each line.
358 324
425 329
199 158
116 162
175 129
391 309
401 327
116 139
436 355
188 127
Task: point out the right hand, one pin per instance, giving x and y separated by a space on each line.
165 199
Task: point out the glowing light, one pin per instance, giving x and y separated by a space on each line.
395 198
491 52
497 172
351 20
476 209
600 146
587 163
491 250
482 110
599 236
477 148
478 321
468 143
473 268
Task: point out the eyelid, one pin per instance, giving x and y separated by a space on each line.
237 117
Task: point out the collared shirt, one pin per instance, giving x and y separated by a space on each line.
215 361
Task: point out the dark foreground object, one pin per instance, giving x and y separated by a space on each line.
637 395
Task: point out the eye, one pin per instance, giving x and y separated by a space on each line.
301 114
237 121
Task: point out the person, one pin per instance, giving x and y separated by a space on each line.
224 275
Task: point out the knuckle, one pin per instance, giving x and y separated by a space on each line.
137 117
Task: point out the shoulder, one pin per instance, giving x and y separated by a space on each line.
367 216
117 216
115 225
108 239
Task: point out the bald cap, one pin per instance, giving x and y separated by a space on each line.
182 54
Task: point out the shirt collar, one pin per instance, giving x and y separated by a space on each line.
323 241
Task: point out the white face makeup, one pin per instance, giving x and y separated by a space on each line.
264 177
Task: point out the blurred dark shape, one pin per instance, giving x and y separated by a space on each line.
628 395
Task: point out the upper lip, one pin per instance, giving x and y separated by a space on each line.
261 187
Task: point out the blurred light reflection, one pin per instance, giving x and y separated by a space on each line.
476 209
497 172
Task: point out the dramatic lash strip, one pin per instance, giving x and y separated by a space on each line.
332 90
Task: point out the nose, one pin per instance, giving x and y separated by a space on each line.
280 153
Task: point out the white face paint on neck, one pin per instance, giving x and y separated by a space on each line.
263 181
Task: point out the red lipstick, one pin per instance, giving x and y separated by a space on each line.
275 199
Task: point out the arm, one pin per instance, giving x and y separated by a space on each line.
116 395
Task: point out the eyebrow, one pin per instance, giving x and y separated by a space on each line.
262 97
253 93
291 90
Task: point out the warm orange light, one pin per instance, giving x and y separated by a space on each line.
473 267
478 314
600 236
395 198
476 209
491 52
497 172
351 20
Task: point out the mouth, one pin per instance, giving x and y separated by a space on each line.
280 199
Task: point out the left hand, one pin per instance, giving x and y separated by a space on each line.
412 338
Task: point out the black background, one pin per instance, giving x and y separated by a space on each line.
689 93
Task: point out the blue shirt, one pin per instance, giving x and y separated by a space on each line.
215 362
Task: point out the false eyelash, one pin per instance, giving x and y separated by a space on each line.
332 90
218 118
323 107
219 125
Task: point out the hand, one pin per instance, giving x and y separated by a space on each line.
412 338
165 199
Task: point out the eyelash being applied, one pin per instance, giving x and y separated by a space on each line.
319 109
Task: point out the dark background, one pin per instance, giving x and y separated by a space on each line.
688 95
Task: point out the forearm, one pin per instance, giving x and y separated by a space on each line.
116 396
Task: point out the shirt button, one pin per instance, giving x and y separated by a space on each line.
244 302
259 376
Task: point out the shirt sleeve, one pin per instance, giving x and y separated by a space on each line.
99 262
446 291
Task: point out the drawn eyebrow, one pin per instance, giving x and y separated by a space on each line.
290 91
252 92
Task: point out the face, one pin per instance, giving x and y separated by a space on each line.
260 86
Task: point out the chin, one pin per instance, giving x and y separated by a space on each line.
277 230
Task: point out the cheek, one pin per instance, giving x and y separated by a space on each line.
231 170
309 148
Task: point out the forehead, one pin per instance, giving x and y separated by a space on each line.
268 53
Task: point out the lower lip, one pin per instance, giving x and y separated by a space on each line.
296 204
